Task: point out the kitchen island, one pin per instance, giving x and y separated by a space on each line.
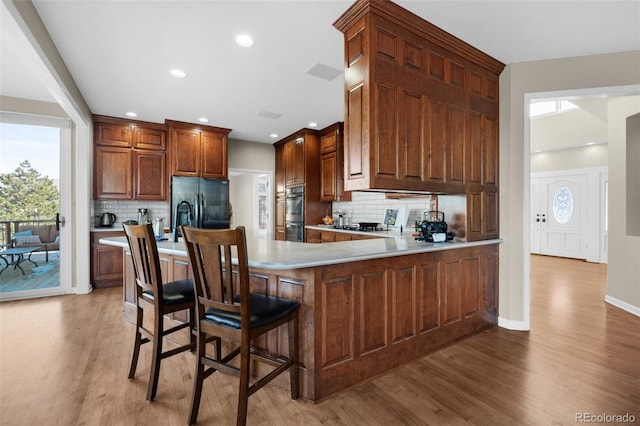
366 306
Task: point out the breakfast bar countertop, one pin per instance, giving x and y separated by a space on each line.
280 255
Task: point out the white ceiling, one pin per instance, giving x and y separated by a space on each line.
120 52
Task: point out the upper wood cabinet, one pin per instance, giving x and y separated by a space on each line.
421 110
331 164
297 158
414 98
198 151
130 160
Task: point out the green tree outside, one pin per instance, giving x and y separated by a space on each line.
27 195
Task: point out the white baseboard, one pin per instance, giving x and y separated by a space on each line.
622 305
513 325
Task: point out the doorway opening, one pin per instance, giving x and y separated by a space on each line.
561 159
34 158
251 201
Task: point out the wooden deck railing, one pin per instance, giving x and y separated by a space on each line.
8 227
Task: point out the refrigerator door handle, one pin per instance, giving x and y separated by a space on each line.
198 218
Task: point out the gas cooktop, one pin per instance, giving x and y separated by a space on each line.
362 227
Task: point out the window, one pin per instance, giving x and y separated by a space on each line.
562 205
545 108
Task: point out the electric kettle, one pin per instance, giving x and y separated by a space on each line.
107 219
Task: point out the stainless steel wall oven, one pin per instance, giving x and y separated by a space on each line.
294 214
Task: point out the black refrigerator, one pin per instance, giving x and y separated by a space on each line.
199 202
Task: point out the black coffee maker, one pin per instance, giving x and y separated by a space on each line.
432 228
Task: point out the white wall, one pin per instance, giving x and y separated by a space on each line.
623 284
576 158
516 82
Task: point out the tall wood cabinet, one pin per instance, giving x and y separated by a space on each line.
421 111
331 164
130 160
298 164
198 151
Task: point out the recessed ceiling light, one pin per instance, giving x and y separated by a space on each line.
244 40
178 73
131 114
274 135
313 124
590 143
203 120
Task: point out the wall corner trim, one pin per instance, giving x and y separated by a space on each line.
634 310
513 325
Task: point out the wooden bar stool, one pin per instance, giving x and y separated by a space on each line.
226 309
163 298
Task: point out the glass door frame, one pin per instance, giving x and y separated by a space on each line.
66 240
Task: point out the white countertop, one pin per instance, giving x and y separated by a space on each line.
279 255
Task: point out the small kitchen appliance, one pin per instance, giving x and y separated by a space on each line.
106 220
432 228
143 216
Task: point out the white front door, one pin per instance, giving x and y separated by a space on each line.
558 216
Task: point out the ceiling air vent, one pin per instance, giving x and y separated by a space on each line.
324 72
269 114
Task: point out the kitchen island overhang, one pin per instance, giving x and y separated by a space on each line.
366 306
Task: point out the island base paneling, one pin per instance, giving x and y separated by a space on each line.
359 319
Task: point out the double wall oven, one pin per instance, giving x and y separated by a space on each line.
294 214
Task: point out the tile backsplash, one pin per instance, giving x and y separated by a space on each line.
128 210
371 206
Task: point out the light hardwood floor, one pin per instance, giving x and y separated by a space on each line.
64 361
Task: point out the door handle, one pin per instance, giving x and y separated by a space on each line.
60 221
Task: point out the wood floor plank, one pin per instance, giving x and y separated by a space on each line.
64 360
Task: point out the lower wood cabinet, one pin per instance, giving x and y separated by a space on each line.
106 261
327 236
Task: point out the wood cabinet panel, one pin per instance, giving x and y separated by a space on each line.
130 160
110 134
281 183
435 137
471 284
340 236
456 145
295 162
146 138
428 296
411 147
292 289
337 328
112 173
328 237
357 149
372 313
452 291
198 151
214 155
186 152
332 164
386 149
106 261
476 150
329 170
402 303
150 175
